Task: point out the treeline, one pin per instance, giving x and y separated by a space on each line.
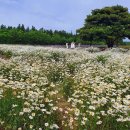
33 36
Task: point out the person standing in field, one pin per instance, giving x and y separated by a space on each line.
72 45
67 45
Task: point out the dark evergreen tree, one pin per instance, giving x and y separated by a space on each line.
109 24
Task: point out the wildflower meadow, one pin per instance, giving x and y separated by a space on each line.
45 88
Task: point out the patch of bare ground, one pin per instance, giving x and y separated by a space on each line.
65 114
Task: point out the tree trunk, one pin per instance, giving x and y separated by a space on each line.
110 43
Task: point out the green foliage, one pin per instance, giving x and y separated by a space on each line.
5 71
8 105
13 117
6 54
125 46
22 35
12 74
71 67
101 58
109 25
55 75
126 43
56 56
68 87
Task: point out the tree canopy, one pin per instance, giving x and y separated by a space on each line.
33 36
109 24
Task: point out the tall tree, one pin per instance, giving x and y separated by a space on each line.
22 27
2 27
109 24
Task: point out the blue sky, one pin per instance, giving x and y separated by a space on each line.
66 15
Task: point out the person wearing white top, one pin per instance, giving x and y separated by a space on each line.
67 46
72 45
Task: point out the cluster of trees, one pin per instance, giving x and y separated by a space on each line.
109 25
22 35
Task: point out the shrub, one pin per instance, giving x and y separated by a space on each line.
6 53
102 59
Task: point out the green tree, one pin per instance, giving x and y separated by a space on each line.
109 24
32 36
56 39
